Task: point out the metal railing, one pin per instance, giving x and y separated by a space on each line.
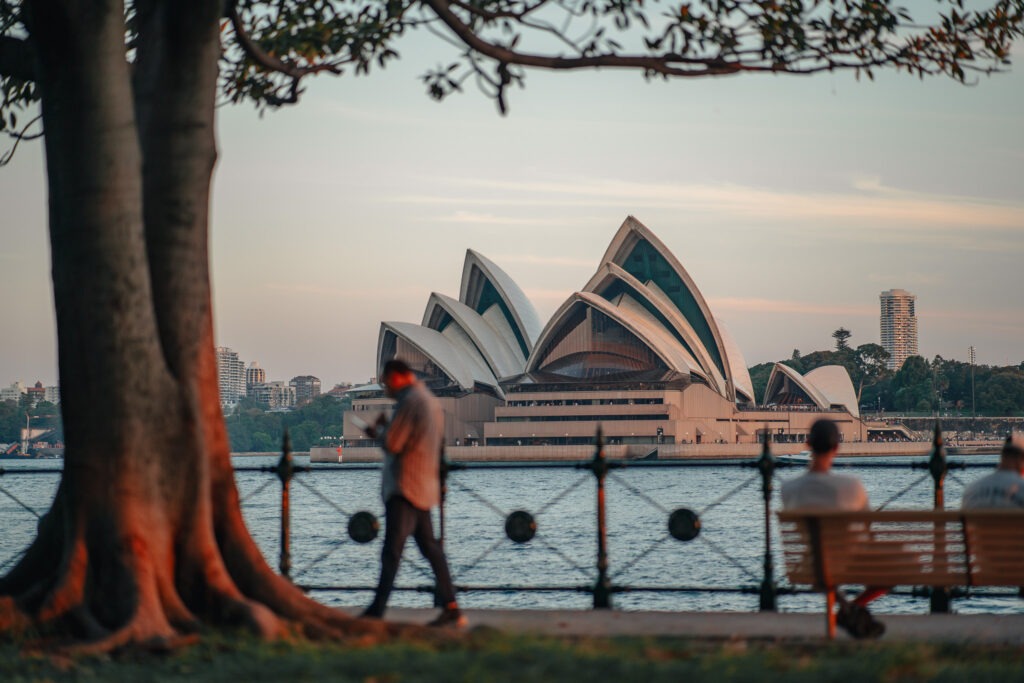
603 579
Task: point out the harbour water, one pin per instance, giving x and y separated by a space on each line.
560 560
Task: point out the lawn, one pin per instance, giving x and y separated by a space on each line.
490 656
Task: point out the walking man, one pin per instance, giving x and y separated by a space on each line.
820 488
411 486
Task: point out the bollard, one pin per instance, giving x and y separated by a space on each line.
938 467
603 586
285 470
766 466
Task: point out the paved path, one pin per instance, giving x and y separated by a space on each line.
952 628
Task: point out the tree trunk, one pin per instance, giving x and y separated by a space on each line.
145 539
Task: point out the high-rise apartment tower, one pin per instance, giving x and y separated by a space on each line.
899 326
230 375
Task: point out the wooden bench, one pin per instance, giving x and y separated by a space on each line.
828 549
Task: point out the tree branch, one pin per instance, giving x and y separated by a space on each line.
272 63
661 64
17 59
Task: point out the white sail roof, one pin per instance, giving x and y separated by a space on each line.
834 383
633 318
460 362
828 386
498 350
486 286
604 282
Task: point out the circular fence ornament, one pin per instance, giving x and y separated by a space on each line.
520 526
363 527
684 524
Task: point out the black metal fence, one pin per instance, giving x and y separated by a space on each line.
602 576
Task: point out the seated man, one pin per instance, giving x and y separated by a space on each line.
820 488
1003 488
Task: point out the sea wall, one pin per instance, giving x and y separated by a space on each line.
624 452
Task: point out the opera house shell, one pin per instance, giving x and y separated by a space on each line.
637 351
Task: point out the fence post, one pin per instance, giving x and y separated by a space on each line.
443 469
285 470
938 467
766 465
603 586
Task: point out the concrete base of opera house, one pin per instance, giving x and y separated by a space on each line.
623 452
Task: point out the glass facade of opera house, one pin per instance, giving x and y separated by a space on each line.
637 351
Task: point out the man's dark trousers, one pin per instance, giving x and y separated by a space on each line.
401 520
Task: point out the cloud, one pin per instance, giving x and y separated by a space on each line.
756 305
463 217
372 293
538 260
885 213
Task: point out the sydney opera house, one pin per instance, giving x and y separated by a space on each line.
637 351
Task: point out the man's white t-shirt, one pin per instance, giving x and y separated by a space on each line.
825 491
1000 489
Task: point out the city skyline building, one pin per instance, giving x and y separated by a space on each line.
898 322
307 387
254 375
275 395
230 376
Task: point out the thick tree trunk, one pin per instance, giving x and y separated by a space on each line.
145 539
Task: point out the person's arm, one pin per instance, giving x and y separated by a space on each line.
402 427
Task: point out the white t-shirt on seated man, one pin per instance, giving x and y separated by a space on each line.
824 490
1003 488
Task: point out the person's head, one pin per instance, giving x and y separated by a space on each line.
396 376
823 439
1012 456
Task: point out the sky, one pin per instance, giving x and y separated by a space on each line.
791 201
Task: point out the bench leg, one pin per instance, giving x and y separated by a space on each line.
830 614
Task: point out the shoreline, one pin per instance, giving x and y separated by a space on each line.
650 452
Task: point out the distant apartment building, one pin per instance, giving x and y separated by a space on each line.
52 395
231 376
254 375
307 387
274 395
898 326
13 392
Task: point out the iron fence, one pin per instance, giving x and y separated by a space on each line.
597 573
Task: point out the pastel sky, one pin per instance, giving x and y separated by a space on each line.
791 201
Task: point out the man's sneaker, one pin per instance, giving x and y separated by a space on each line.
858 622
450 618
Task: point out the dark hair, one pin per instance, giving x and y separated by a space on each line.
1014 446
399 367
823 437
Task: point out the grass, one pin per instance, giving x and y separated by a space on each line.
491 656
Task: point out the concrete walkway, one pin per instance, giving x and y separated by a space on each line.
1004 629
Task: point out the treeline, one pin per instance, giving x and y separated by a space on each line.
920 385
44 415
251 428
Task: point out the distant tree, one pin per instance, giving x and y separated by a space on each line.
1003 394
869 366
842 336
262 442
145 539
